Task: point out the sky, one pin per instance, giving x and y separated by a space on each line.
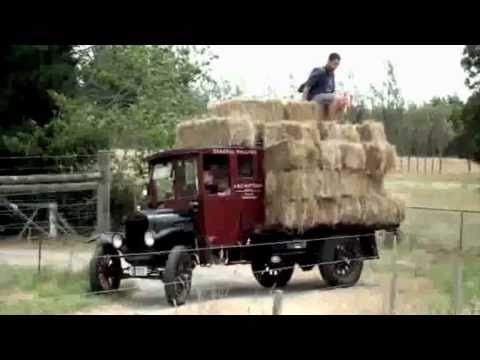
422 71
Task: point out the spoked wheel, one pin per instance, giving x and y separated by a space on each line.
105 269
178 276
346 268
272 275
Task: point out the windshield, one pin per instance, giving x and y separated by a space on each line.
176 179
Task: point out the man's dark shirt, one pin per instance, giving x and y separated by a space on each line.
320 81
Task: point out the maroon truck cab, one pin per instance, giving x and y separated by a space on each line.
225 188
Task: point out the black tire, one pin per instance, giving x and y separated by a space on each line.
105 272
178 275
346 273
270 276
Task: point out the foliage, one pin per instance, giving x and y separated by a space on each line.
27 72
471 64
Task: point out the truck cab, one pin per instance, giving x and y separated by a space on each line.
222 189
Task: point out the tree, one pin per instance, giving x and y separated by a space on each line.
471 64
27 73
132 97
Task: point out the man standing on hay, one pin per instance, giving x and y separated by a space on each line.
320 87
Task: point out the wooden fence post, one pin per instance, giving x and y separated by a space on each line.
433 165
408 166
417 165
277 302
469 165
458 273
103 192
425 165
393 282
52 221
440 166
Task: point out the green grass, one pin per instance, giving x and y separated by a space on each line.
24 291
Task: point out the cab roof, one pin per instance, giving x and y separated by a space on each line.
166 154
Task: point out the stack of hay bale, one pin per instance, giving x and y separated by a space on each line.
317 173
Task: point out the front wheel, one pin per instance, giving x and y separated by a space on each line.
178 275
345 267
270 276
105 269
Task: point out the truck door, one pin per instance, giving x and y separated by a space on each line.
218 213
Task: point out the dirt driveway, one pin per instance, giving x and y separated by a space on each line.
233 290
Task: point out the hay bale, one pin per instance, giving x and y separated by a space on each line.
371 130
301 110
349 132
215 131
350 212
355 183
391 158
329 155
292 185
274 133
330 185
289 155
270 187
255 110
376 158
328 212
353 156
329 130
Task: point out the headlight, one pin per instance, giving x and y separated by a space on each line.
117 241
149 240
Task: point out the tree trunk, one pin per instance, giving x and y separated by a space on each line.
418 165
408 163
440 166
424 165
469 164
433 164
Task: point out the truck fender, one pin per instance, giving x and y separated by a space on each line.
166 232
102 238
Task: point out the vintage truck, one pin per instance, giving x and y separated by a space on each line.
206 206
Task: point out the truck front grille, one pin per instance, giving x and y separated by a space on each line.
135 228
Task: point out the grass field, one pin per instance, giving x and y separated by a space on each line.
431 238
24 291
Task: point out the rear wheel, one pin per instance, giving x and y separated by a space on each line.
272 275
105 269
346 268
178 275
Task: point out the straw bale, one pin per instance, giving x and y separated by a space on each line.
355 183
301 110
215 131
273 133
329 155
350 212
330 185
329 130
349 132
328 212
256 110
289 155
391 158
371 130
376 157
353 156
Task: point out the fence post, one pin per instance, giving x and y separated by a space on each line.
418 165
408 165
52 220
433 165
40 254
277 302
393 282
425 165
458 272
103 192
469 164
440 166
401 164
